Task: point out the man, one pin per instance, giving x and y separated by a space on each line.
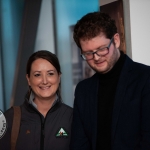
112 108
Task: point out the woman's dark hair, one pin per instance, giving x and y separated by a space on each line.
47 55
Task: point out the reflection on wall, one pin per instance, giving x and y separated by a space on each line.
11 15
1 80
80 68
45 31
67 12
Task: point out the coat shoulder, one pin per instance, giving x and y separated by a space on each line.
88 81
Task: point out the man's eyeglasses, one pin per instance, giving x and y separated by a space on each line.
100 52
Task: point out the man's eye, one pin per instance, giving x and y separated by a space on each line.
103 49
88 54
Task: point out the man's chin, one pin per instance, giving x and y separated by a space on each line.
99 69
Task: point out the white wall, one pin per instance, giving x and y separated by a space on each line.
137 28
45 35
140 30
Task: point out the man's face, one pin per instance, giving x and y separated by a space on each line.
102 64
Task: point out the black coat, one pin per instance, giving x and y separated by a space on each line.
32 124
130 128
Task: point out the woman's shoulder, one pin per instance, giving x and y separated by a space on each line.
9 112
66 110
66 107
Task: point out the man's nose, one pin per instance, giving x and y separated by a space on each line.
96 57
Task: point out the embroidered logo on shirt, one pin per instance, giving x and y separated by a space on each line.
61 133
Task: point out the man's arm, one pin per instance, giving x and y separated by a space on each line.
145 123
79 140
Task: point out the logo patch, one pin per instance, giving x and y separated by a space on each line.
28 132
3 124
61 133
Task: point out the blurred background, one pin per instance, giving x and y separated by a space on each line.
27 26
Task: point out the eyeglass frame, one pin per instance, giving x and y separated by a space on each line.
84 58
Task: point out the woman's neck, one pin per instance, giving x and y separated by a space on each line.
43 106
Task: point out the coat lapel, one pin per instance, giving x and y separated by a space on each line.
121 88
93 107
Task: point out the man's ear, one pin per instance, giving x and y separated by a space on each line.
117 40
27 77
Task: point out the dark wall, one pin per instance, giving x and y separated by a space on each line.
26 48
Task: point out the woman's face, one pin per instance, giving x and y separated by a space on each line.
44 79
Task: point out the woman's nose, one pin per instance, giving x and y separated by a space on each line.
44 78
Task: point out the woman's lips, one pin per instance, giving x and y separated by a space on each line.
45 88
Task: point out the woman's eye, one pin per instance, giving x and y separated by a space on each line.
37 75
51 73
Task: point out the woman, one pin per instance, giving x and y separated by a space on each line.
45 120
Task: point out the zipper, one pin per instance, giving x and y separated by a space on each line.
42 135
43 120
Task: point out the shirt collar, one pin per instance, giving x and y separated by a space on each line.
31 98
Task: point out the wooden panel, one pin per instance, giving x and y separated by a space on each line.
115 10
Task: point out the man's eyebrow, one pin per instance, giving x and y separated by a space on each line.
90 51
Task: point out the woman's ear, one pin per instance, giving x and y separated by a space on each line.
59 77
117 40
27 77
